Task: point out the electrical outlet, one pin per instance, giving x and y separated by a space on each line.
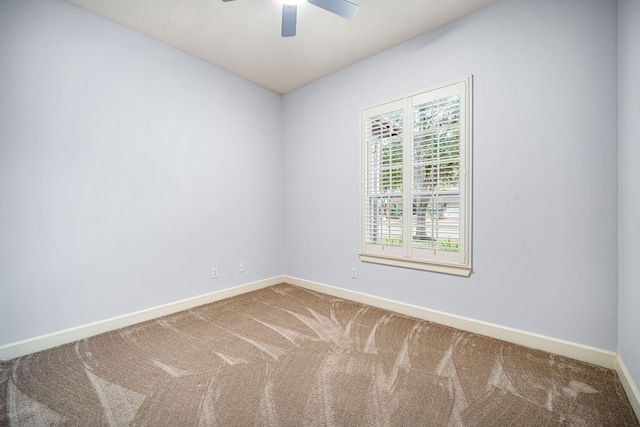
214 273
354 273
242 267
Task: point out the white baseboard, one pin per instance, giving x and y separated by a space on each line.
629 385
581 352
592 355
43 342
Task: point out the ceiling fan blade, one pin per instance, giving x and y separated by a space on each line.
289 13
227 0
339 7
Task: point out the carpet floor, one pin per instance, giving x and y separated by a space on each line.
286 356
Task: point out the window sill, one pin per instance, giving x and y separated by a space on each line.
417 265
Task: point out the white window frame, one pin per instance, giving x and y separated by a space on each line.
404 252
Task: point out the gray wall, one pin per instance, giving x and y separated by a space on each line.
127 170
629 183
545 205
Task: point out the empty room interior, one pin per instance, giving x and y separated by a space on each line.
138 180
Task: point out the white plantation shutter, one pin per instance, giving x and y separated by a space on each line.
383 178
416 180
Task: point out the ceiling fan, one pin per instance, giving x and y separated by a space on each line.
290 11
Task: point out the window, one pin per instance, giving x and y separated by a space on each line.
416 180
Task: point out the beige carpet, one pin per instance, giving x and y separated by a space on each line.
285 356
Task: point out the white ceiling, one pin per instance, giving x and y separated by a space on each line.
243 36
